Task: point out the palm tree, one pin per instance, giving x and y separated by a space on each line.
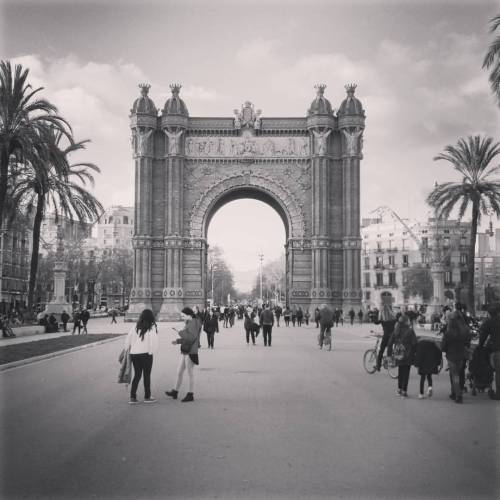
47 182
492 59
472 158
22 114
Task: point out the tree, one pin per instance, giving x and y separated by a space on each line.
417 281
22 115
47 182
273 279
223 280
472 158
492 59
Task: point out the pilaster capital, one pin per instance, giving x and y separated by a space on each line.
142 242
351 243
298 244
173 241
324 242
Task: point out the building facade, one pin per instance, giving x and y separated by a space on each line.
487 269
389 248
15 250
115 229
306 168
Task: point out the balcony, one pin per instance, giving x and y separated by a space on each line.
392 249
379 267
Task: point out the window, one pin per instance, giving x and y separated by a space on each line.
379 245
463 258
110 220
447 277
446 242
405 260
424 258
391 260
392 279
404 244
425 242
125 219
367 280
378 261
380 279
367 262
368 295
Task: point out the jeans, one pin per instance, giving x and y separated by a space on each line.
403 377
249 332
456 368
267 331
210 339
324 329
383 345
422 382
142 364
185 363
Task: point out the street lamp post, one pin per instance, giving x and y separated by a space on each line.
214 268
261 257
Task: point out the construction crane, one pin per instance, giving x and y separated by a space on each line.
383 210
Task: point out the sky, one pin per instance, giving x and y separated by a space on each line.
417 65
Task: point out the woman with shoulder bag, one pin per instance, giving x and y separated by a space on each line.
402 346
188 339
142 341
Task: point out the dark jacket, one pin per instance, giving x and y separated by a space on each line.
266 317
211 325
404 334
490 329
388 327
326 317
428 357
456 338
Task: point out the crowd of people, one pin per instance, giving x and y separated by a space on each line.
398 338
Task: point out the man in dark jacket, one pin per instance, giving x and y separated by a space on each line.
490 333
64 320
267 322
325 323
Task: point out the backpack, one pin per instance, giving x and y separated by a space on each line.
399 352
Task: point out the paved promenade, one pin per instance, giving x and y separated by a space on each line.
289 421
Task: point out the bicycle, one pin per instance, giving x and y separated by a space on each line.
370 360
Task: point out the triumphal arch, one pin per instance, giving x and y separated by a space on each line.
186 168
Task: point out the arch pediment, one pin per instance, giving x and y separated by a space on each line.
238 186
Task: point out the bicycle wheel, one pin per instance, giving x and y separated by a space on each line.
370 360
392 368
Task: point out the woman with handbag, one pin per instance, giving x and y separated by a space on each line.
402 346
142 341
188 339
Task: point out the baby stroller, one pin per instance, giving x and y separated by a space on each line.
480 374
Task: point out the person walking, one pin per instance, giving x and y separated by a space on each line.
402 345
294 314
307 315
267 322
352 314
286 315
489 335
249 329
142 340
64 320
76 322
325 323
84 316
188 339
300 316
388 322
113 316
428 357
360 316
455 342
278 312
210 326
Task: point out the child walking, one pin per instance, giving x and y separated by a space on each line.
428 358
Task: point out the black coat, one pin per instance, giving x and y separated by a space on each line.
428 357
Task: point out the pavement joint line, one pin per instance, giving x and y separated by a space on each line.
43 357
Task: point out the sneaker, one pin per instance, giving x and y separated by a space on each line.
133 401
399 393
429 392
459 399
404 394
421 396
149 400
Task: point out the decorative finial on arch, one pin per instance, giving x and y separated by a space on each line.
144 88
320 88
175 88
350 88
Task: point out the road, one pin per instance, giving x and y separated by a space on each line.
289 421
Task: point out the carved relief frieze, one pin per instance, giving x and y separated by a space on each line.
235 147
